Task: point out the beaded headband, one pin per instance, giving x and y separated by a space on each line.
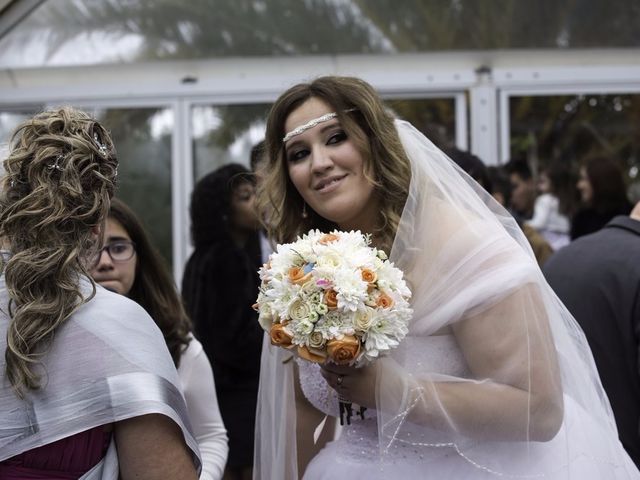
311 123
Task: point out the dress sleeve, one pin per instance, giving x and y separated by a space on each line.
200 395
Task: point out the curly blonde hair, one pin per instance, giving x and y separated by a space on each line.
59 178
368 123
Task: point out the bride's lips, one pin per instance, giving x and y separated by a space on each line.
329 184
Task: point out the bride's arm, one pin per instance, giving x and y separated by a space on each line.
307 419
510 353
514 392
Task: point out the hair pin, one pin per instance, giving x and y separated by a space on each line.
102 148
56 165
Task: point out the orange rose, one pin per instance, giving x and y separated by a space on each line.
279 336
368 276
331 299
312 354
297 276
343 351
384 301
328 238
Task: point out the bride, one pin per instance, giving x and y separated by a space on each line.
495 378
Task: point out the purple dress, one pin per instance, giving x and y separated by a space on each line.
66 459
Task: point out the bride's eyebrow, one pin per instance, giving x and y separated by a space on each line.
294 141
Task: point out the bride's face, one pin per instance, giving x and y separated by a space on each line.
328 170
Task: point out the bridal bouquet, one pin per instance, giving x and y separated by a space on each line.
333 298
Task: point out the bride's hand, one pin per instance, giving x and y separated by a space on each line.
357 385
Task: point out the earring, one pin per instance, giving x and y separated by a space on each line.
304 210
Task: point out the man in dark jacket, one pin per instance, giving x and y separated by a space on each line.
598 278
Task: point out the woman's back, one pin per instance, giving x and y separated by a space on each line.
74 358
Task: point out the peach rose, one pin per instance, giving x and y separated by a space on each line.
312 354
279 336
368 276
343 351
331 299
328 238
384 301
297 276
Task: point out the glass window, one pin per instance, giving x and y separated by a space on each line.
142 137
225 134
75 32
572 127
435 117
9 120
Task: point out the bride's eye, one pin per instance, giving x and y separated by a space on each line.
337 137
297 154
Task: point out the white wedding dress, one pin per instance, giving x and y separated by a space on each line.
355 454
514 394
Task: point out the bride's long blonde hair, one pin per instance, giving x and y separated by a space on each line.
59 178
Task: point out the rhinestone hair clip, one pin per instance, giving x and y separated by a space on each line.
56 165
102 148
311 123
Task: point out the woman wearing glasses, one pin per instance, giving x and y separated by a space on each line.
128 264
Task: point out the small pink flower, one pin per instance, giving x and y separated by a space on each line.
323 283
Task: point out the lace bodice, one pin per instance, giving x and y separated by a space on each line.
437 354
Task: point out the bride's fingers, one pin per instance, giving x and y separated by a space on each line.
335 380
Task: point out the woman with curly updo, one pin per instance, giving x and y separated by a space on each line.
87 386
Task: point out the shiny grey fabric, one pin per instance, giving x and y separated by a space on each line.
108 362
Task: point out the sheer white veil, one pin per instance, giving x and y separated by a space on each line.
530 402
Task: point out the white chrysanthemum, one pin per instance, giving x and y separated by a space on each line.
283 259
390 278
386 331
328 260
351 289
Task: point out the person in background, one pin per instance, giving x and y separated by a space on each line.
598 278
523 189
496 183
87 386
219 287
603 195
130 265
555 205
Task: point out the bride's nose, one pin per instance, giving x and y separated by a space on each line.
320 160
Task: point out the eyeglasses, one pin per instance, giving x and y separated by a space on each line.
119 252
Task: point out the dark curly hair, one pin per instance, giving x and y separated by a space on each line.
210 207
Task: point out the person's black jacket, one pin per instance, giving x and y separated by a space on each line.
598 279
